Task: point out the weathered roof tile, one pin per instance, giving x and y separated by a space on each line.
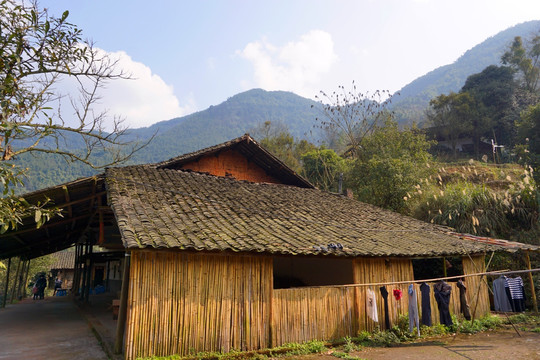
167 208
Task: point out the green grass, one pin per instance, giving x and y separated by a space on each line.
397 335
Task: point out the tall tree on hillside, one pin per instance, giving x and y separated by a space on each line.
494 88
37 52
449 114
525 60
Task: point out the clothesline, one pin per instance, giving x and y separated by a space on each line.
488 273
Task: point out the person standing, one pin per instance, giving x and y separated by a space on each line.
41 284
57 285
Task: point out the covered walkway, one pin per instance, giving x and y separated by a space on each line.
53 328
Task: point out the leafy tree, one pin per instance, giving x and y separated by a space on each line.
322 167
525 60
394 162
37 52
494 89
449 115
276 138
353 114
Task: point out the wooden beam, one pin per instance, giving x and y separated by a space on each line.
29 248
531 282
46 226
7 284
14 286
101 236
122 312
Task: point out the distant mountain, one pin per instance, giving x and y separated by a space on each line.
241 113
414 98
232 118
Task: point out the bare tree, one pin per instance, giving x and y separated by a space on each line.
39 54
353 114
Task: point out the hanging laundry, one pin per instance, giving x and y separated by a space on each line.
465 309
398 294
371 305
501 299
517 294
426 304
442 295
413 310
384 294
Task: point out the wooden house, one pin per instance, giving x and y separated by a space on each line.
227 248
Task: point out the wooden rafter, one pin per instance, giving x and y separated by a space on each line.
48 225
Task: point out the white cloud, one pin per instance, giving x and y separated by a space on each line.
140 101
143 100
296 66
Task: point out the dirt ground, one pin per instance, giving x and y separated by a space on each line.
47 329
500 344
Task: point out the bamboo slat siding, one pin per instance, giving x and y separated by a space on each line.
374 270
304 314
476 285
180 301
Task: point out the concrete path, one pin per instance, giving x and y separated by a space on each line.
52 328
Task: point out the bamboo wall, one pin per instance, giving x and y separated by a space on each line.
180 301
304 314
332 312
477 288
378 270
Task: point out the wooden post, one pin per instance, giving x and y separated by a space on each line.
74 285
14 286
85 270
89 273
7 284
22 293
531 282
444 267
108 269
121 325
20 277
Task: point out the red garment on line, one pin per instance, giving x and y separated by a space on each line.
398 294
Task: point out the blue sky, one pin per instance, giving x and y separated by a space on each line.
188 55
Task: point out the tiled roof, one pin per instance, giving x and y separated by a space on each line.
166 208
510 246
64 259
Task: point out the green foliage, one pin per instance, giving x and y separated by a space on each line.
476 208
277 139
345 355
391 164
525 60
350 346
322 167
37 266
37 51
448 115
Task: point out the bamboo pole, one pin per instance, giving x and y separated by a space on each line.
6 287
531 282
120 326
